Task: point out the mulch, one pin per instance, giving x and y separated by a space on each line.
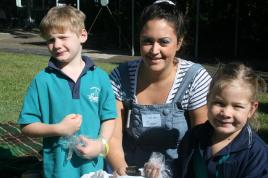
18 153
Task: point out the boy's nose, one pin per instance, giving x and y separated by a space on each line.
57 43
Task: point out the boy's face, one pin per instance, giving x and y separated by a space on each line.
230 109
66 47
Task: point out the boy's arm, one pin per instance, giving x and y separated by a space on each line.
69 125
95 147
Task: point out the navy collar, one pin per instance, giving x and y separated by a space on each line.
89 65
241 142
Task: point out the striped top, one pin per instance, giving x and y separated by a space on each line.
194 97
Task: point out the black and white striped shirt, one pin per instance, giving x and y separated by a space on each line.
194 97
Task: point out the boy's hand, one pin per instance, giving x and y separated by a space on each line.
90 148
70 124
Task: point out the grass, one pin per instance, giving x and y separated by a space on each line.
17 71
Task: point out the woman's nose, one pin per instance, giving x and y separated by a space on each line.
155 48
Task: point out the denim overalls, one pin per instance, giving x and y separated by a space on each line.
153 128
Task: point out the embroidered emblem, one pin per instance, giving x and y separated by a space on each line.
94 94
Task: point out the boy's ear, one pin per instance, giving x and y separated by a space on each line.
254 107
83 36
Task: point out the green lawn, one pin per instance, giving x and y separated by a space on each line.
17 70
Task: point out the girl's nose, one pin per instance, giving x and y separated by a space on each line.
226 111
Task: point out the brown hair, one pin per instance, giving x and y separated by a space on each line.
63 18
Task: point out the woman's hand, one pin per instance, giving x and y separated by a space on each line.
152 170
89 148
120 172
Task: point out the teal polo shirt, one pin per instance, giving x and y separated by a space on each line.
51 96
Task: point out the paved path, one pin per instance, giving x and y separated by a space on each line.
20 41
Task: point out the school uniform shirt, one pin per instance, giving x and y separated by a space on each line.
51 96
245 156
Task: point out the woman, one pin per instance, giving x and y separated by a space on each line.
153 92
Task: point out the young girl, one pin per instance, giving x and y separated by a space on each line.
225 146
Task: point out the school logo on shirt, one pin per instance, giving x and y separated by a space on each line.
94 94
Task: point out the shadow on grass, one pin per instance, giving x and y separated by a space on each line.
13 167
263 133
263 107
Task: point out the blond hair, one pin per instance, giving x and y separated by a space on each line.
60 19
239 72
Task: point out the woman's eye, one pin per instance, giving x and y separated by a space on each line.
146 41
164 42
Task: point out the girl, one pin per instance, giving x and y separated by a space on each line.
225 146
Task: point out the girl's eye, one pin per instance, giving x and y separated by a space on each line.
218 103
238 106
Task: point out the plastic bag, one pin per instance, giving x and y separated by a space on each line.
158 159
69 143
97 174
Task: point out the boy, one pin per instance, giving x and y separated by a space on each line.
69 97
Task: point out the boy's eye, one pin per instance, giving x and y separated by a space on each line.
63 37
51 40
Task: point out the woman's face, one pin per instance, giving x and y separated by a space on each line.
159 44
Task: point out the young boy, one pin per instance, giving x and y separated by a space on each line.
69 97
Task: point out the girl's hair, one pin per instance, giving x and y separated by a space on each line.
165 10
60 19
244 74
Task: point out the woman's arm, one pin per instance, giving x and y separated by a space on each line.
116 155
198 116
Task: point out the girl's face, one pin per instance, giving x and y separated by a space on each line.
159 44
65 47
230 109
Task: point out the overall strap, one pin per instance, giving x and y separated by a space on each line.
124 76
187 79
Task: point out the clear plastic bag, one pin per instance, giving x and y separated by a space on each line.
97 174
158 159
69 143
